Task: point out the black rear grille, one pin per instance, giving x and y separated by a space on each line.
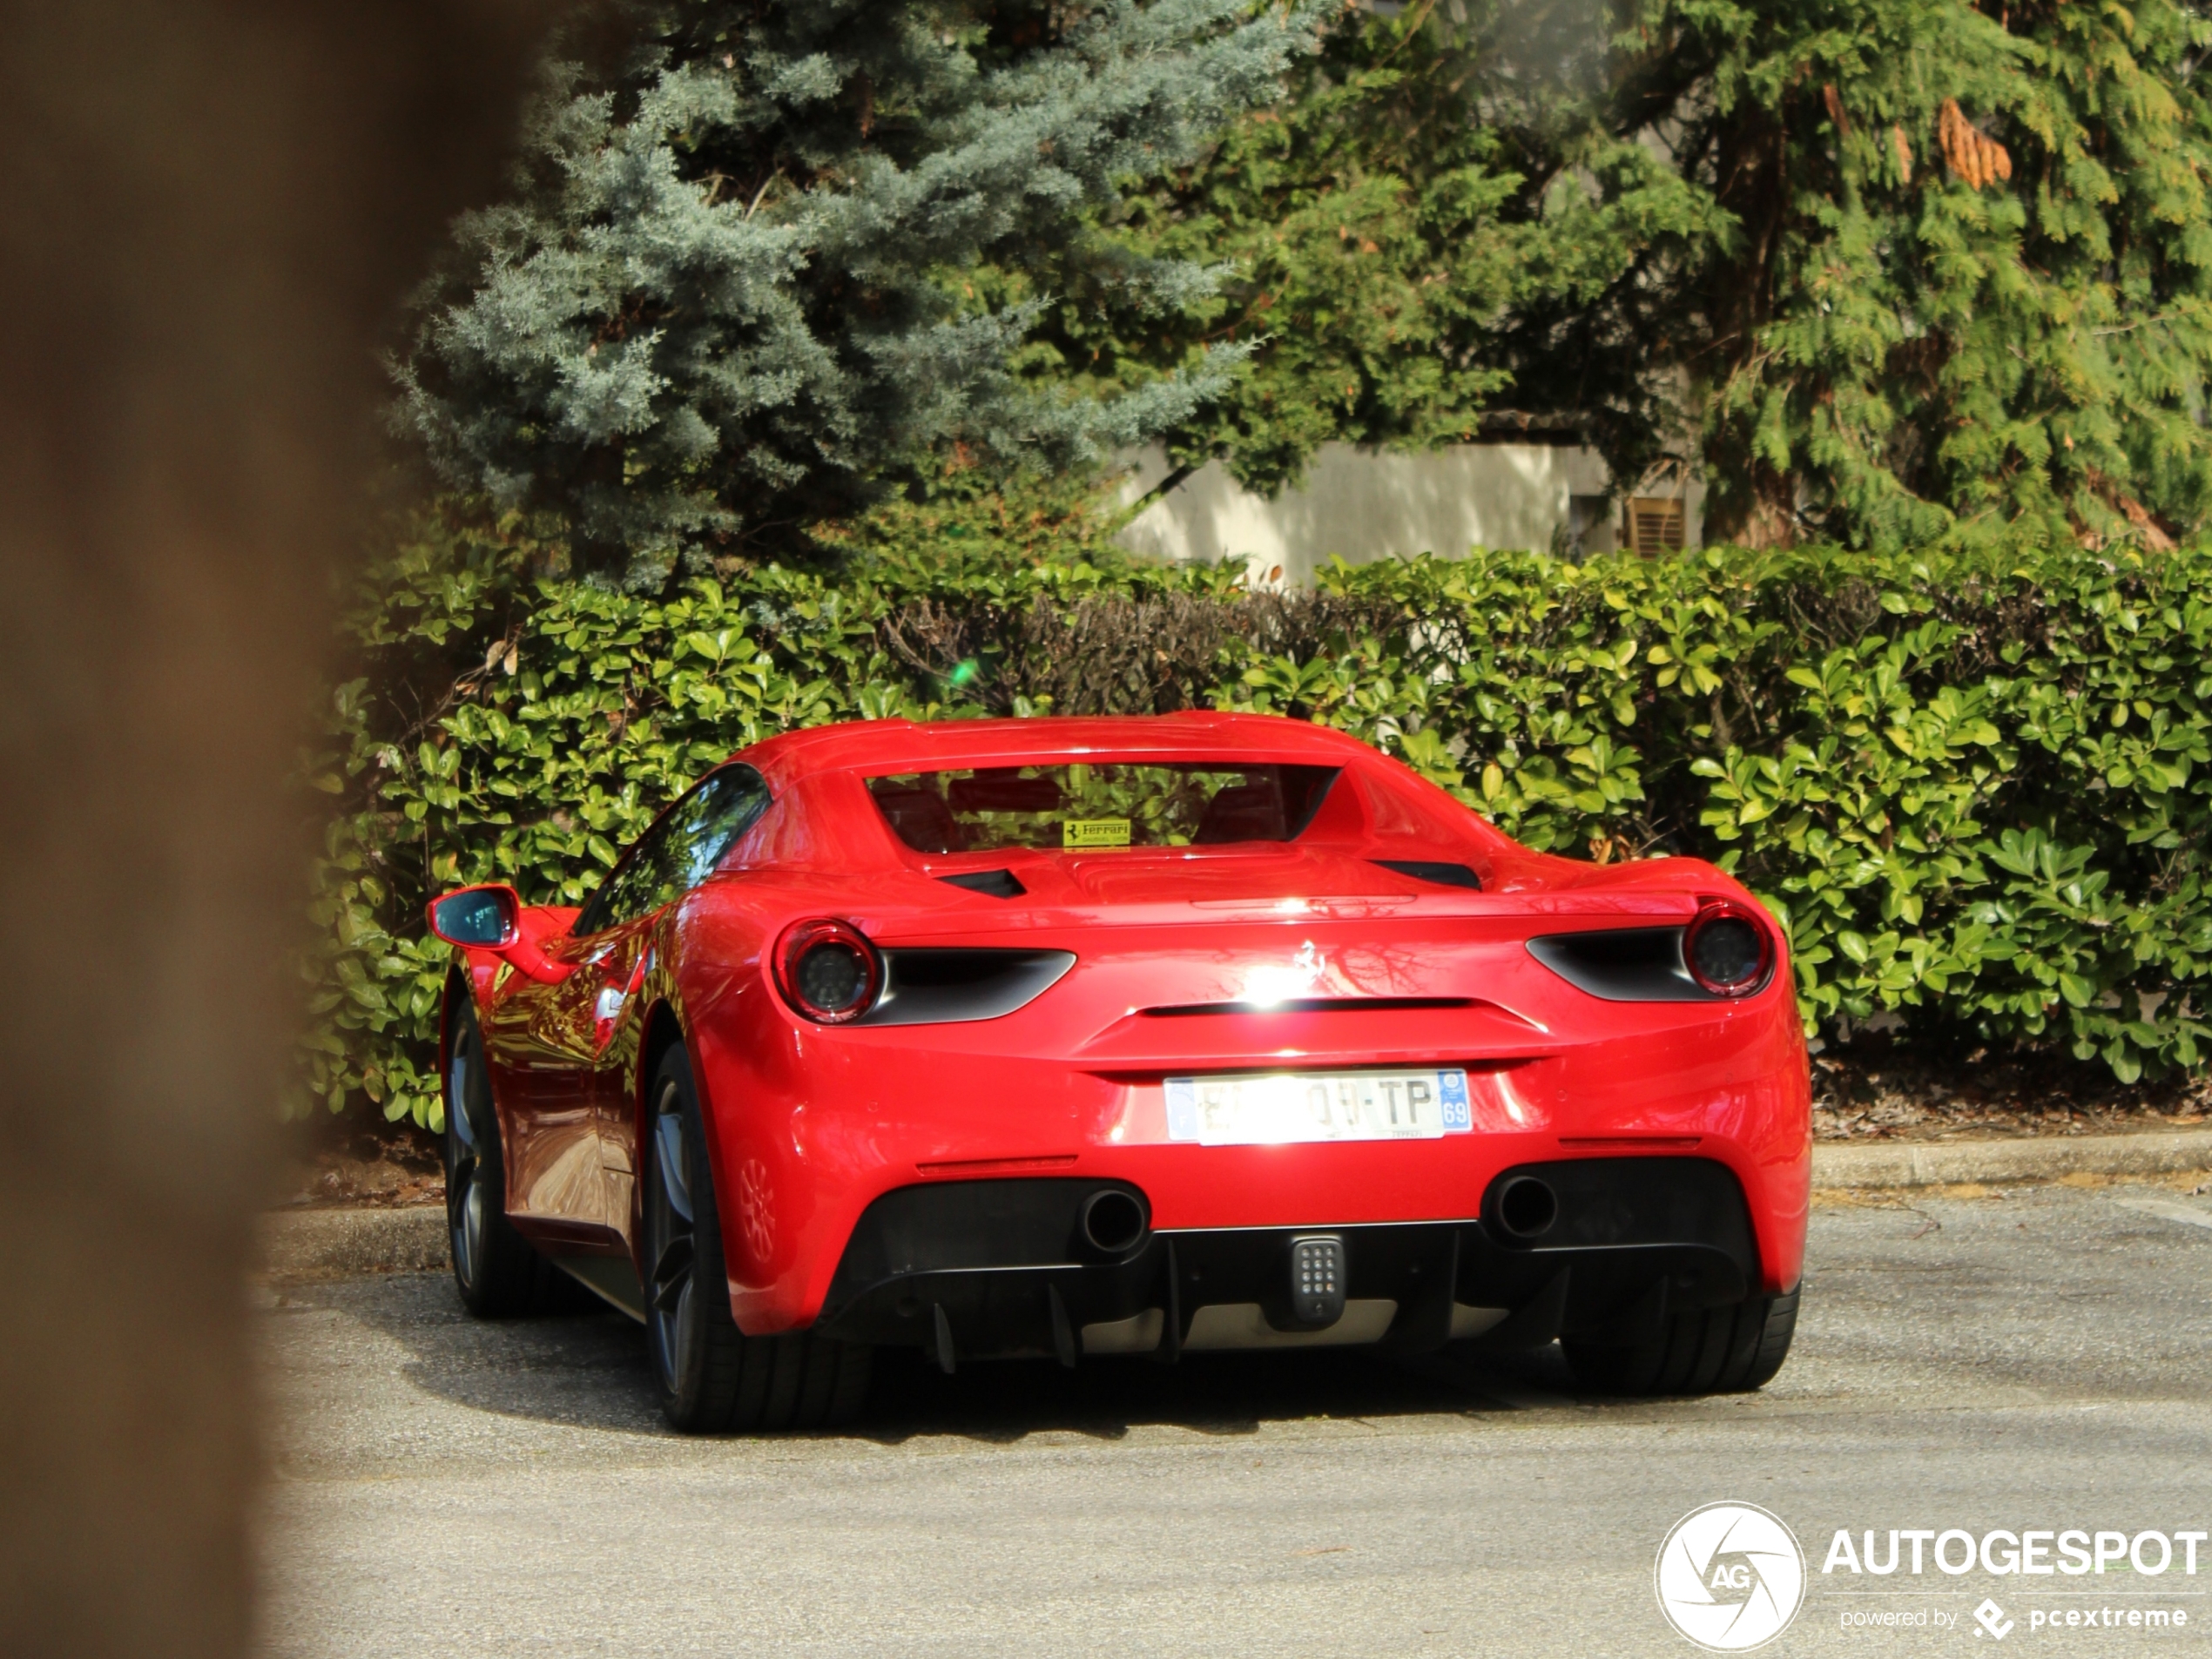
1622 964
1445 875
929 986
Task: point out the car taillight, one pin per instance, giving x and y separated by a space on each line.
829 971
1728 949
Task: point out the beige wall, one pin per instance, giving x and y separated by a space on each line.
1369 504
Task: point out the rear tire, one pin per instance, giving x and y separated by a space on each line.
712 1378
1716 1351
496 1272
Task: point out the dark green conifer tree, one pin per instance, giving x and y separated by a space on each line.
1433 202
1966 278
1880 269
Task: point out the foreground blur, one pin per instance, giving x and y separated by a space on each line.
206 212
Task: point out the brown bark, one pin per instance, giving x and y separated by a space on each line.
2152 535
1749 503
1757 511
206 213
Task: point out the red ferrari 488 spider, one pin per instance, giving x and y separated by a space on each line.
1069 1038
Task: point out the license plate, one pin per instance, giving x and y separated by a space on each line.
1275 1107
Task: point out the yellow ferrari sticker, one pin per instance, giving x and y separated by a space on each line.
1095 831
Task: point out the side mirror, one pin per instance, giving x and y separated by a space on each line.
482 918
490 918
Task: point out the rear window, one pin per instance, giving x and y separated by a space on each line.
1098 807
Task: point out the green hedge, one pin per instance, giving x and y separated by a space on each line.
1975 788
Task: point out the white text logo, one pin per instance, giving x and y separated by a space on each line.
1730 1577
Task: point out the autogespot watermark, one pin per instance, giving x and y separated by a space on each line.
2052 1553
1730 1577
2073 1550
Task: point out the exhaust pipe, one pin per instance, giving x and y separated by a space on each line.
1527 1207
1113 1221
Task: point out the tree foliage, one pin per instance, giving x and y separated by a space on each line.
724 297
1968 274
1394 251
1875 267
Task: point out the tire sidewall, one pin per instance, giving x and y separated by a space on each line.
506 1275
682 1377
468 1049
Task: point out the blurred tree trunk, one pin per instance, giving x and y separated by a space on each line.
207 211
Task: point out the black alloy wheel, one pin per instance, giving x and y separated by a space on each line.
713 1379
497 1272
1715 1350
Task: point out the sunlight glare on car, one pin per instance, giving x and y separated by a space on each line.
1267 986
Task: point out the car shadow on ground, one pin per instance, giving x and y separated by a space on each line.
585 1367
1210 1393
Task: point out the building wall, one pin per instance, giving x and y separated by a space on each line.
1364 504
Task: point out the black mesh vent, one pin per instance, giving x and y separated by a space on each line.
999 884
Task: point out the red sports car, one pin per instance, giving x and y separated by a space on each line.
1124 1036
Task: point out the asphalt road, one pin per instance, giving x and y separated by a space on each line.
2034 1360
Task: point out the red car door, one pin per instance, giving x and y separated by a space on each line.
580 1092
555 1190
546 1044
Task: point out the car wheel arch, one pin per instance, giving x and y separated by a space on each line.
664 1030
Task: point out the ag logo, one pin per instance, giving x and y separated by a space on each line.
1730 1577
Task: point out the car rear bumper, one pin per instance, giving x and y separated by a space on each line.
970 1270
809 1131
